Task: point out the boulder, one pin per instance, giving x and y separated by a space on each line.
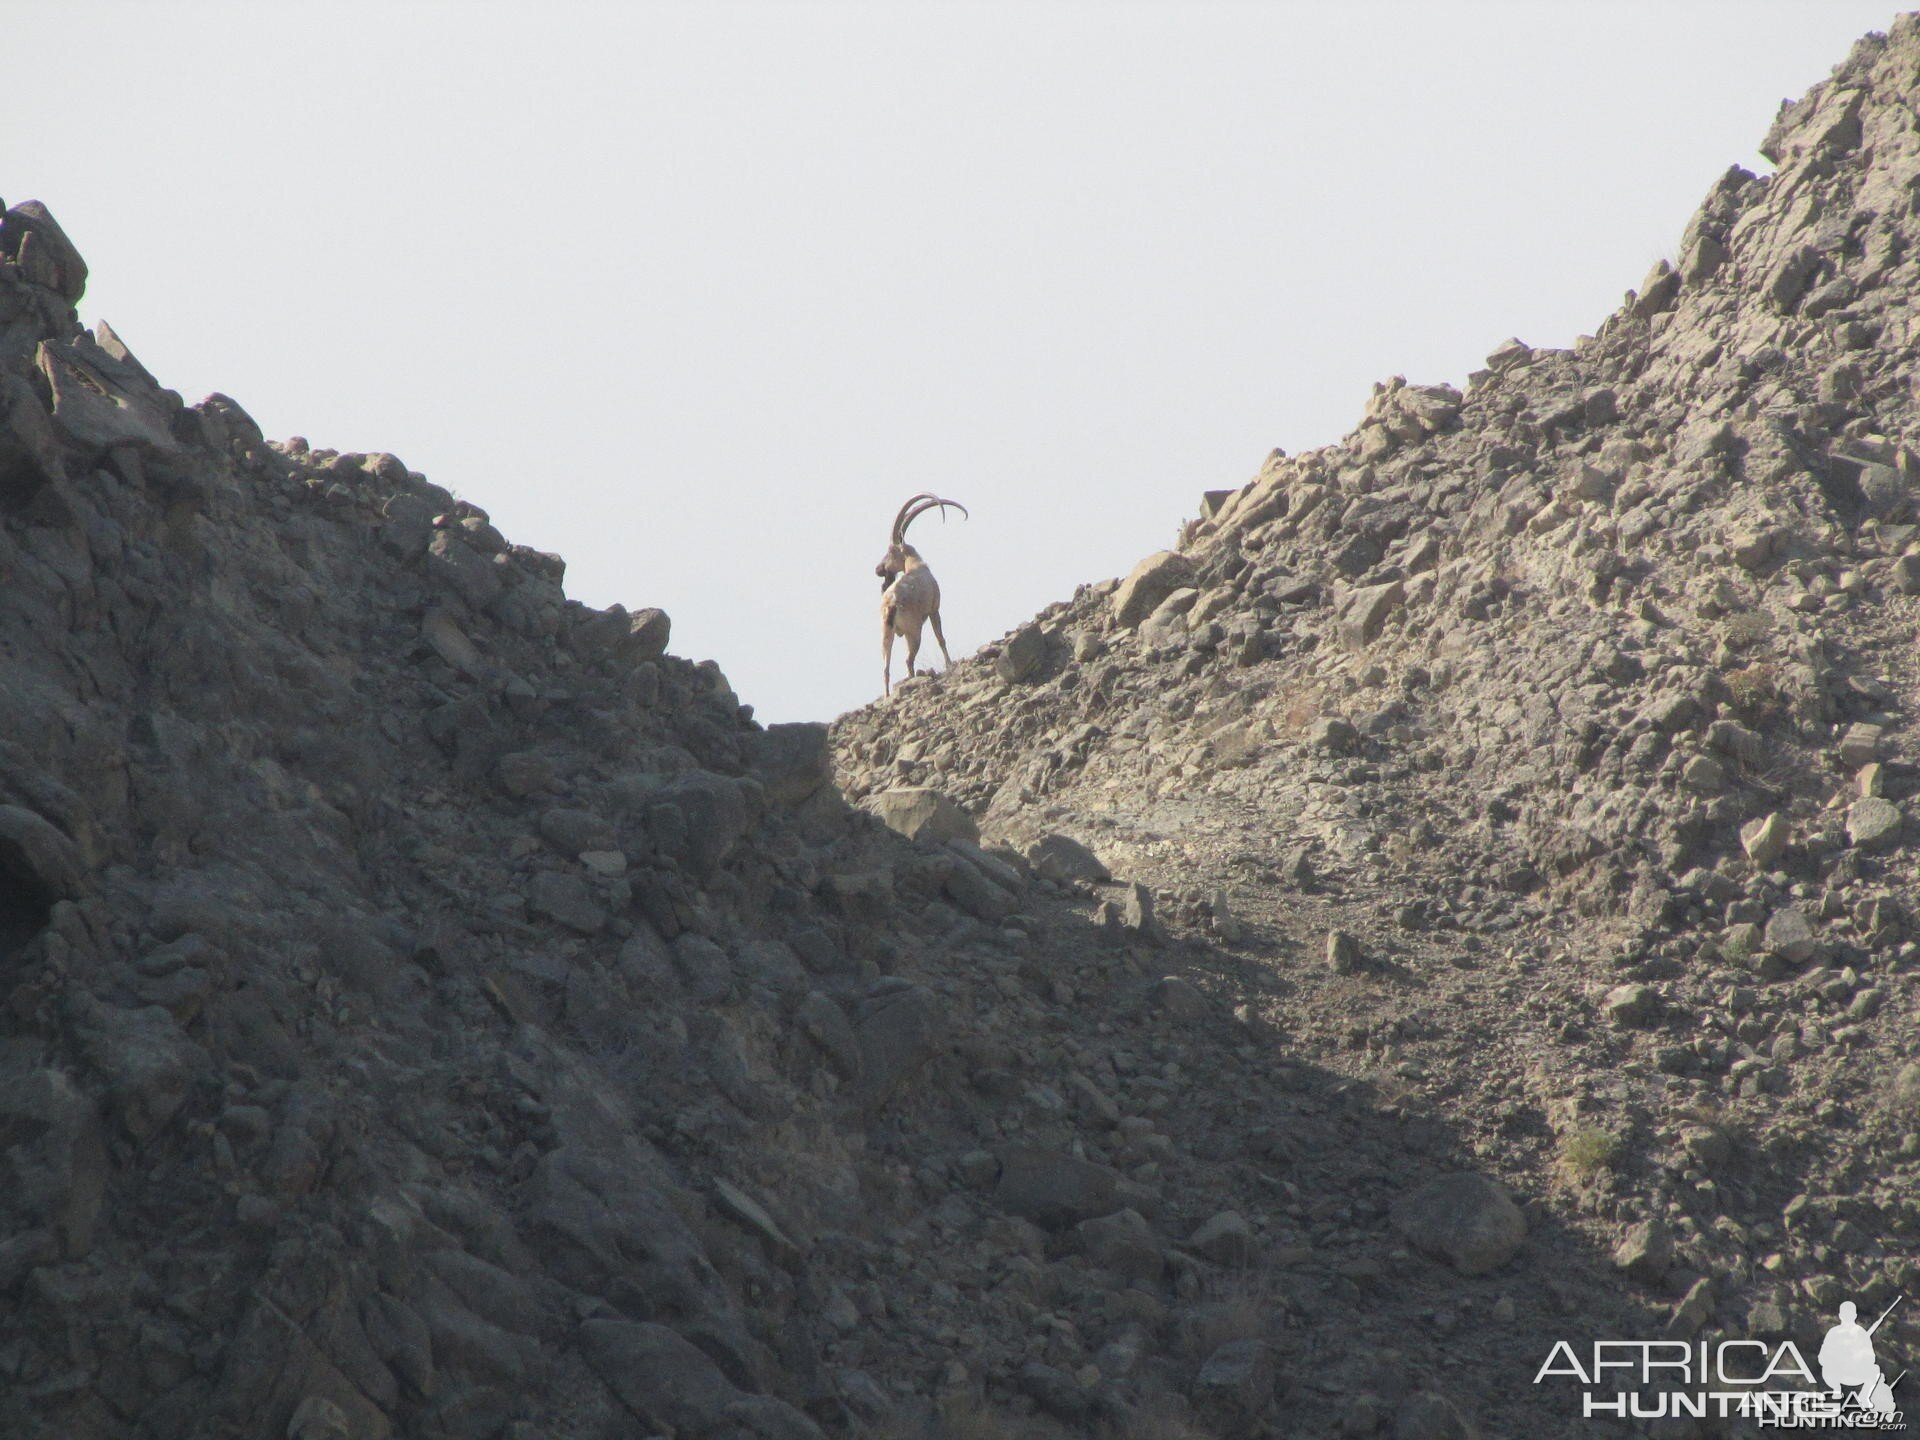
1150 582
32 239
1053 1189
1062 858
1467 1220
1021 657
920 813
1873 824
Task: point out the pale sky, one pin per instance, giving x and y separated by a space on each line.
695 295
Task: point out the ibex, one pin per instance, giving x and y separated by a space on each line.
910 596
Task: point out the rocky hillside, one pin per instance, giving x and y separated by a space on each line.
1539 762
430 1008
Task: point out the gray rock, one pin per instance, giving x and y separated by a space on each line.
99 405
1181 999
1021 657
1790 935
1055 1391
35 854
149 1061
1150 582
1063 859
1343 952
573 832
1467 1220
1873 824
56 1160
1124 1243
900 1032
923 814
715 814
1239 1377
665 1380
1704 774
969 888
703 967
1136 911
464 570
1645 1251
565 898
1632 1007
1366 611
29 451
648 632
1332 735
1053 1189
794 762
1860 745
33 240
823 1022
1764 840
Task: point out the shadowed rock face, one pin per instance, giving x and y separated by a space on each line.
430 1008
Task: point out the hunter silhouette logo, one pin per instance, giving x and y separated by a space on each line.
1847 1361
1769 1383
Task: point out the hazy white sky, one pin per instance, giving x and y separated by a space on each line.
696 294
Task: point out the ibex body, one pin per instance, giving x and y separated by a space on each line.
910 596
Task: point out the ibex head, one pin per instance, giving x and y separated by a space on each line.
901 556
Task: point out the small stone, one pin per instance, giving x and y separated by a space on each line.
565 898
1182 1000
1707 1146
1692 1312
573 831
1509 354
1136 910
1632 1007
1366 613
1790 935
648 632
1860 745
1343 952
1332 735
1906 574
1873 824
1124 1243
1751 549
1022 655
1226 925
1764 840
1645 1252
1705 775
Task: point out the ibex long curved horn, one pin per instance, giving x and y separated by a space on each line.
903 519
928 502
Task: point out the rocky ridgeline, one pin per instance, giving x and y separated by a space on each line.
1542 753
